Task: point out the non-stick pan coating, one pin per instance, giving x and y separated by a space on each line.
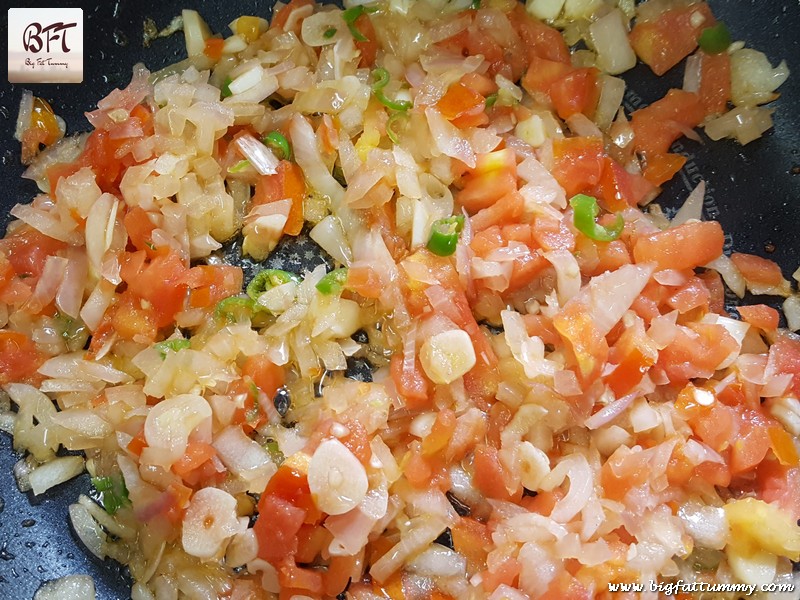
754 191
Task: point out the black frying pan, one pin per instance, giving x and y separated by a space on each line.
755 189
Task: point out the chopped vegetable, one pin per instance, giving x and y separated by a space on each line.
171 346
277 141
585 212
349 16
715 39
333 282
381 80
268 279
444 235
113 493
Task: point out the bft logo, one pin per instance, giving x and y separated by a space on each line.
32 36
45 45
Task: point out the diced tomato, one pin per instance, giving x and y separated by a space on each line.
576 92
622 472
749 448
209 284
471 539
460 100
213 48
489 475
140 230
693 294
27 250
338 574
634 355
782 445
756 269
506 573
411 384
19 358
160 282
441 432
566 587
293 577
588 345
58 170
620 189
132 318
655 127
784 357
551 234
578 163
265 374
761 316
538 39
195 455
716 289
494 176
369 49
660 168
276 528
683 247
696 351
665 41
479 82
507 209
543 73
715 82
780 484
364 281
291 485
357 441
289 183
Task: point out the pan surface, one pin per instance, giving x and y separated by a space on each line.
754 191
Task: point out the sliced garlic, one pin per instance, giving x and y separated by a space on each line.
336 478
209 522
169 423
447 356
534 464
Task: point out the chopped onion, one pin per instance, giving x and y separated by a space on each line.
261 157
329 234
692 207
691 74
55 472
69 587
730 274
791 308
609 412
195 31
743 123
24 115
612 91
448 138
753 79
421 532
610 38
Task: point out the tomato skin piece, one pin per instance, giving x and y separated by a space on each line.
287 182
619 189
281 16
665 41
578 163
656 126
684 247
19 358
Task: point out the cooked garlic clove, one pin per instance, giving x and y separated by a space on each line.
447 356
169 424
336 478
210 521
